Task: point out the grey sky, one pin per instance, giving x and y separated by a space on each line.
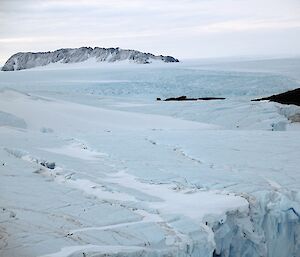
183 28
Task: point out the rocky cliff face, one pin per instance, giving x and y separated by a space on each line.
21 61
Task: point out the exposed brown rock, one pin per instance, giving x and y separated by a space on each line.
184 98
289 97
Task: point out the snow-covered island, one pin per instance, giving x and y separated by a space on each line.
91 165
21 61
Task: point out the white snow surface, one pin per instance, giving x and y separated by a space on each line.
92 165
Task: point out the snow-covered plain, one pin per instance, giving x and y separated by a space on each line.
92 165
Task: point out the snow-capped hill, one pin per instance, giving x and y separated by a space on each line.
21 61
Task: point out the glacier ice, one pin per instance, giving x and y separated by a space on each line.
92 165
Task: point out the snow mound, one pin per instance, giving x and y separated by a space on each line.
7 119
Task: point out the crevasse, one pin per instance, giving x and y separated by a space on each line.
270 229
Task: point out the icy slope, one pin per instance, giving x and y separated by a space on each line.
92 165
21 61
83 168
166 182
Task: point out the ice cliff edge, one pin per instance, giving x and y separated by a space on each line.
27 60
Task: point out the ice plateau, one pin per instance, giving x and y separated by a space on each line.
21 61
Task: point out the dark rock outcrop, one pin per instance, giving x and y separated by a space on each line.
49 165
184 98
289 97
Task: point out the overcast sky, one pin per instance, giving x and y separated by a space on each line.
182 28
